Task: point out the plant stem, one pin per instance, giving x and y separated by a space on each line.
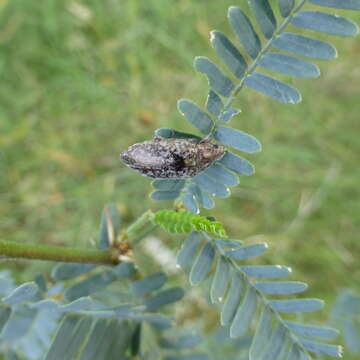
135 227
13 250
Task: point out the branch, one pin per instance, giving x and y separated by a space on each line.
13 250
110 256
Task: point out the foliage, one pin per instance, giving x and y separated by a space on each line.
184 221
271 54
91 316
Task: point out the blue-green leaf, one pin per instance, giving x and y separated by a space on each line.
228 243
188 249
189 201
289 65
351 334
305 46
125 269
220 281
5 312
227 115
297 353
168 184
148 284
163 298
108 340
197 356
195 116
237 139
217 80
325 349
266 271
286 6
273 88
202 197
65 271
69 338
202 264
325 23
276 342
180 342
214 104
84 303
46 304
264 16
222 175
171 133
109 226
160 322
25 292
244 31
312 331
296 305
281 288
209 185
165 195
338 4
244 314
247 252
227 51
262 334
232 299
90 285
19 324
237 164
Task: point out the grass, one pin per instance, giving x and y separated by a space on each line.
81 81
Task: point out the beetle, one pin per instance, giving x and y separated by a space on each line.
172 158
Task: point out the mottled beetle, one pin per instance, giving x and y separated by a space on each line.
173 158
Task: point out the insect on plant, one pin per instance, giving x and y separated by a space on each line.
102 304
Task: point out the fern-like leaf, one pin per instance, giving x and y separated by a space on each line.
185 222
239 291
241 70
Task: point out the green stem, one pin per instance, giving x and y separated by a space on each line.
13 250
134 229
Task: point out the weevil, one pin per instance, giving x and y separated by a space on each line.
173 158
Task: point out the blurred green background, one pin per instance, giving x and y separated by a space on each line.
82 80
